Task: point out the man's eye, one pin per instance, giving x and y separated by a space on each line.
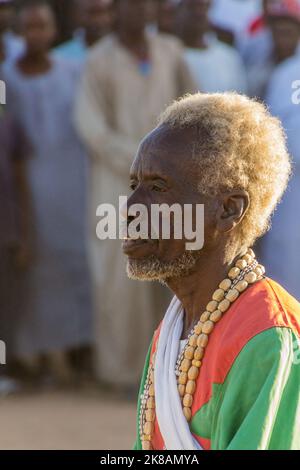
158 188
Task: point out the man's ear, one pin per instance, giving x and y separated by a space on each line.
232 209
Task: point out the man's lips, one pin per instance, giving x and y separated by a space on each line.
130 245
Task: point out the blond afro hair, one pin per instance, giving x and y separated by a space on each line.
239 146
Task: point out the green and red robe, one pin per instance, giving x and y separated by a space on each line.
248 389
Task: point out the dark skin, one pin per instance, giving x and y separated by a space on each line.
193 22
286 36
95 16
131 19
162 172
37 26
166 16
6 16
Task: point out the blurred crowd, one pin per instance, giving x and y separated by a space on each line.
85 81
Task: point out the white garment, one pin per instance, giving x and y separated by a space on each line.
172 423
218 68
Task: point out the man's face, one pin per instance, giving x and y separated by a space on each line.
166 16
286 36
164 173
6 17
131 15
37 25
96 17
195 13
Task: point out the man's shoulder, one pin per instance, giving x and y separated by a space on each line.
167 41
102 48
267 305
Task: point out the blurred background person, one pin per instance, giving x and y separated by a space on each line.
275 42
231 17
284 237
216 66
255 43
129 78
11 45
56 313
13 236
95 19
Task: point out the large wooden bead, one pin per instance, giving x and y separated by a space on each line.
251 277
185 365
196 363
187 400
258 272
202 340
151 403
233 273
251 252
211 306
241 286
193 340
148 427
181 390
187 413
204 317
150 415
151 391
224 305
248 258
218 295
190 387
232 295
198 328
241 264
225 285
193 373
146 437
208 327
199 353
216 316
189 352
147 445
183 378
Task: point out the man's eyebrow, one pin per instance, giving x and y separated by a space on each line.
149 177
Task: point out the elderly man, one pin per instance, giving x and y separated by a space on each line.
222 371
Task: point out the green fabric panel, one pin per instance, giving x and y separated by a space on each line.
138 443
258 405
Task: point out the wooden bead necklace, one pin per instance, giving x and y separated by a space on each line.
246 271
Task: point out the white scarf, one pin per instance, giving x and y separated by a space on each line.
172 423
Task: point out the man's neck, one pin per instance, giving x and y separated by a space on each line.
196 41
135 43
33 64
195 290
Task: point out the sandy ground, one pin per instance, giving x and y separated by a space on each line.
66 420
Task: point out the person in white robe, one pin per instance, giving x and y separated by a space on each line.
130 76
216 66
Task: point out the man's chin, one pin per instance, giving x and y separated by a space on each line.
154 269
144 270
